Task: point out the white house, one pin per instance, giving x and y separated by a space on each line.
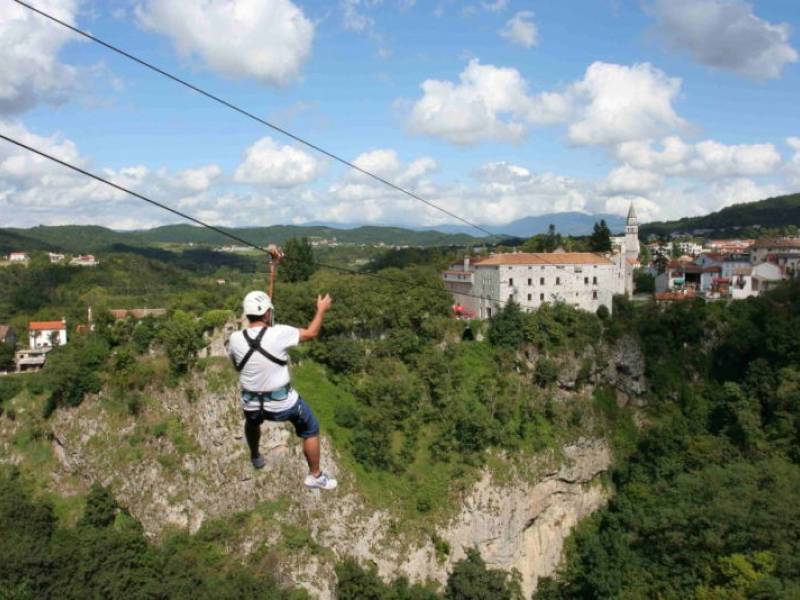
18 257
47 334
87 260
55 258
751 281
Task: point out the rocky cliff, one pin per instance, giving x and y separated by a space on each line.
182 463
198 470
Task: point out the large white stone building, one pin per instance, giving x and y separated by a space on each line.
586 280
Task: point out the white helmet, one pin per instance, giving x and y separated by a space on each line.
256 304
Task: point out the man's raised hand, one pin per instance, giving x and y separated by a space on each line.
275 253
324 302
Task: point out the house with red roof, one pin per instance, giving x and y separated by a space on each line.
44 335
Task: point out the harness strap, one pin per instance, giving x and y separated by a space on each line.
255 346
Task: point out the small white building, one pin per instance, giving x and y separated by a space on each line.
55 258
85 260
47 334
752 281
18 257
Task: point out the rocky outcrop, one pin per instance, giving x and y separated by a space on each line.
198 469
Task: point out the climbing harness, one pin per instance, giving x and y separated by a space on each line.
255 346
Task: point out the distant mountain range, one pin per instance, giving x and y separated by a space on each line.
739 219
92 238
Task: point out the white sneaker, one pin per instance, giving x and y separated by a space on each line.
323 482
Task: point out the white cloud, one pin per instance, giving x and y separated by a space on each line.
353 19
35 190
495 5
628 180
268 163
198 180
620 103
31 72
707 159
794 162
609 105
268 40
726 34
488 103
521 30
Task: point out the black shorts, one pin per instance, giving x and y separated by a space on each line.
299 415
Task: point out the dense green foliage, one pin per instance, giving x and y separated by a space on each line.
299 262
107 556
600 240
708 504
470 579
740 220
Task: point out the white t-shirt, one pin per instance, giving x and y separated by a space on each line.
261 374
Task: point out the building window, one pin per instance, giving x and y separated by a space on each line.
541 297
541 280
530 297
594 280
530 281
558 280
510 297
586 281
510 281
594 294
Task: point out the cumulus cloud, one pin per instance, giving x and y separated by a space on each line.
31 72
35 190
609 105
488 103
629 180
268 163
708 159
267 40
620 103
726 34
521 30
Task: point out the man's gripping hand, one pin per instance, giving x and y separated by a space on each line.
324 303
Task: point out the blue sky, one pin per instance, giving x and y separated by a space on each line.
528 107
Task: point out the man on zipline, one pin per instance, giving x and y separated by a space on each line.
260 354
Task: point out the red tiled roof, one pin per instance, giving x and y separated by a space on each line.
712 269
545 258
40 325
674 296
777 243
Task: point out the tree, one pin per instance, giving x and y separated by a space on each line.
101 508
600 240
299 262
471 580
182 339
506 326
6 356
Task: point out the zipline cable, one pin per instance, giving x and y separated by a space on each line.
250 115
219 230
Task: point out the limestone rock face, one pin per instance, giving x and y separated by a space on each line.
517 524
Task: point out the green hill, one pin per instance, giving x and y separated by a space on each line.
88 238
778 212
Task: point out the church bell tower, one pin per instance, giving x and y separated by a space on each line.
632 235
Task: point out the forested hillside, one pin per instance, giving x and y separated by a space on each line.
708 505
742 220
90 238
700 403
